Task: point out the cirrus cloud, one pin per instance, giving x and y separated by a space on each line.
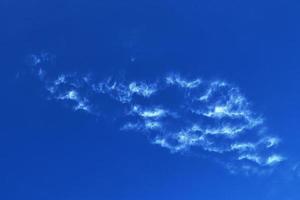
184 115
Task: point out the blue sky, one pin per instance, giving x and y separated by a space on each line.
149 100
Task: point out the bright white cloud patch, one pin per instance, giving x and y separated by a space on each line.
211 118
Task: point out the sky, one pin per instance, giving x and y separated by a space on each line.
143 100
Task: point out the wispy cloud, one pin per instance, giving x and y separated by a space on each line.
179 114
177 80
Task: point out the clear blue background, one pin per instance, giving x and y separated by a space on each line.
50 152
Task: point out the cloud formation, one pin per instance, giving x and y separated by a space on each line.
184 115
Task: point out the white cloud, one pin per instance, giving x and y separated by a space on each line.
226 130
70 95
154 112
41 73
243 146
146 126
132 126
40 58
60 80
152 125
163 143
82 105
124 92
175 79
251 157
274 159
270 141
142 89
200 116
211 89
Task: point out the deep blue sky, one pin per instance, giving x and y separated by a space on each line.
50 152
